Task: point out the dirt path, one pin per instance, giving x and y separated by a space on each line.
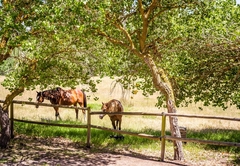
36 151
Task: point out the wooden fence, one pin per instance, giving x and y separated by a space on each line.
89 125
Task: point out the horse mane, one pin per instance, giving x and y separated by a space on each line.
53 95
59 89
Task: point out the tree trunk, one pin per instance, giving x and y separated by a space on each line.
4 118
175 131
162 83
5 128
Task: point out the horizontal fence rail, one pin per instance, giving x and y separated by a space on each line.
202 116
221 143
51 124
38 122
45 104
143 135
126 113
167 114
162 138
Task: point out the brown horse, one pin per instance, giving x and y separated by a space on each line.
113 106
63 97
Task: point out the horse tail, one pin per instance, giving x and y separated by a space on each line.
84 99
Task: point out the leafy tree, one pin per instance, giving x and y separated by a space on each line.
12 32
49 50
6 66
149 44
141 28
209 61
163 39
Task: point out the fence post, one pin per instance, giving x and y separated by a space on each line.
163 140
88 127
11 119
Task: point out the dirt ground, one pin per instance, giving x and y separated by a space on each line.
58 151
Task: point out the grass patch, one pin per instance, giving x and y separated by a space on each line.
101 141
51 131
95 106
217 135
197 128
102 138
98 137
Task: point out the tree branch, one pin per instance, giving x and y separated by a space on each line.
126 34
112 40
10 97
151 8
141 9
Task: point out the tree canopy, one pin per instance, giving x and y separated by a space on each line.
205 64
43 40
187 50
49 37
199 35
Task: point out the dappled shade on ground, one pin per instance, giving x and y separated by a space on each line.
25 150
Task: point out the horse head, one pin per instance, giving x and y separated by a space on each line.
39 98
104 109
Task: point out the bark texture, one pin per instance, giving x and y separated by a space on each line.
4 118
5 128
162 83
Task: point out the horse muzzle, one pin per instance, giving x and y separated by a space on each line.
37 105
101 116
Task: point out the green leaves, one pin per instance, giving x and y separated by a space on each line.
205 67
68 42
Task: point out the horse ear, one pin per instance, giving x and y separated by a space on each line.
102 103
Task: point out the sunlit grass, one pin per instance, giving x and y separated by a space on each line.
101 140
217 130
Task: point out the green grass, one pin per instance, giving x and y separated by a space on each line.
95 106
216 135
98 137
196 128
102 138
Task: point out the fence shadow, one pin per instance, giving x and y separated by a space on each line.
31 150
164 134
26 150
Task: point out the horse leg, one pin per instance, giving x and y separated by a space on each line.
83 111
84 115
76 114
113 124
120 123
76 110
57 113
119 128
117 124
